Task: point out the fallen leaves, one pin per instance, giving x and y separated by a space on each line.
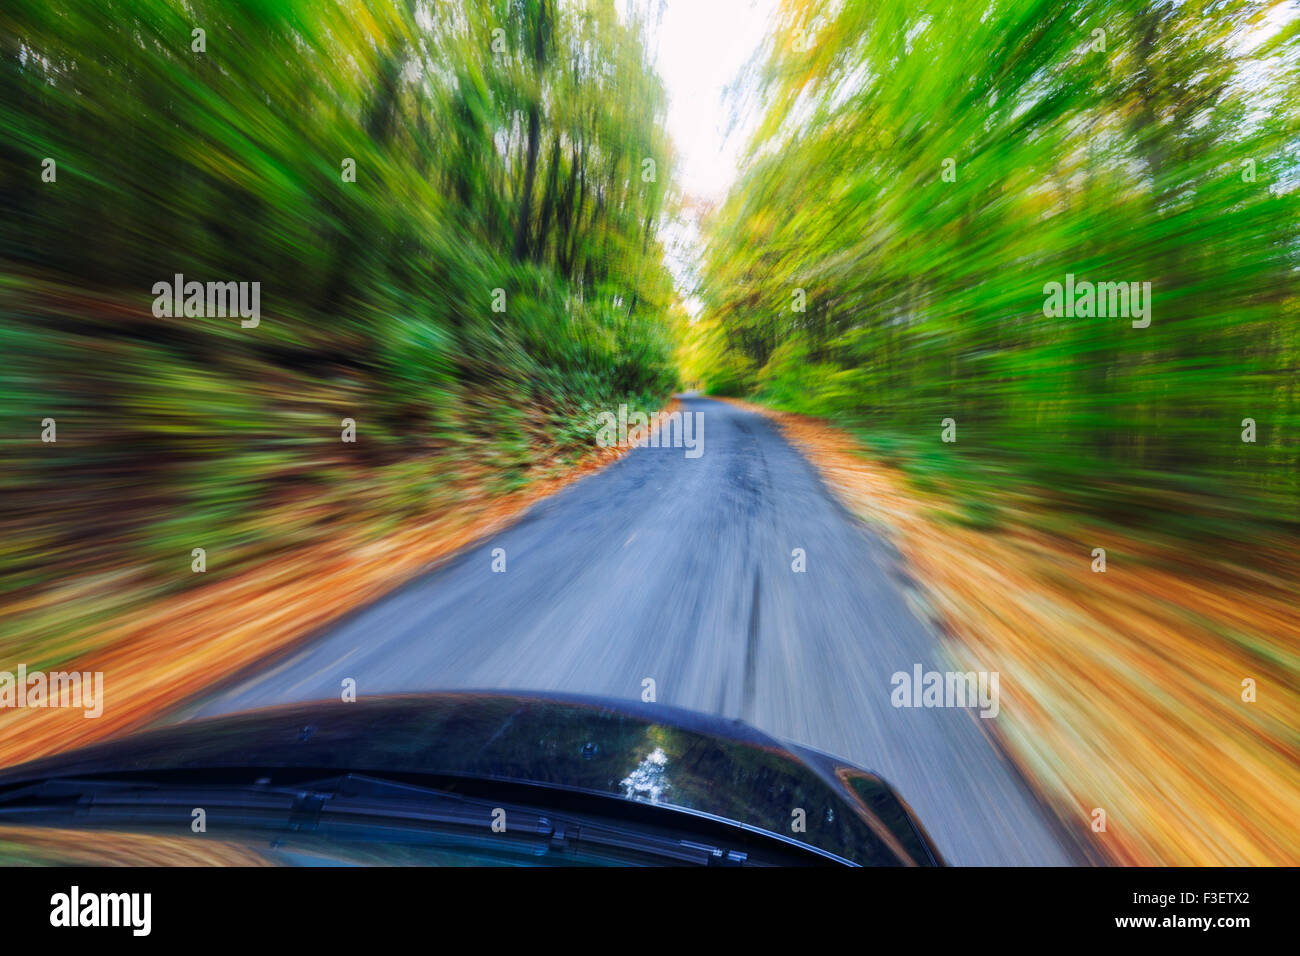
158 656
1120 690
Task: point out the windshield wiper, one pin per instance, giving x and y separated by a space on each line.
345 802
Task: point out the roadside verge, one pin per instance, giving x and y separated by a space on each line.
157 656
1122 691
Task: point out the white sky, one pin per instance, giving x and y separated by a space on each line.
702 46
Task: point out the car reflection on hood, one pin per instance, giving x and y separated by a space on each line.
457 778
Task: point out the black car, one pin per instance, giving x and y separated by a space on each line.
456 779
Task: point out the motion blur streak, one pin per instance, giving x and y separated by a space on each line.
54 847
459 219
691 587
490 279
1120 692
921 172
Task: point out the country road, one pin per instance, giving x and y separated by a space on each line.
679 570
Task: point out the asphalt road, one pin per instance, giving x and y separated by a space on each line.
679 570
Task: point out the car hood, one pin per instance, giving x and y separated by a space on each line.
648 753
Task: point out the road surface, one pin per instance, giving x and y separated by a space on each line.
679 569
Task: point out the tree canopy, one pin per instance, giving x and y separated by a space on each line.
921 177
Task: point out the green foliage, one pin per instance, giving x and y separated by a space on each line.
925 294
477 168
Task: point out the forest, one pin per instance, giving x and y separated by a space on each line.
451 211
917 184
303 302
